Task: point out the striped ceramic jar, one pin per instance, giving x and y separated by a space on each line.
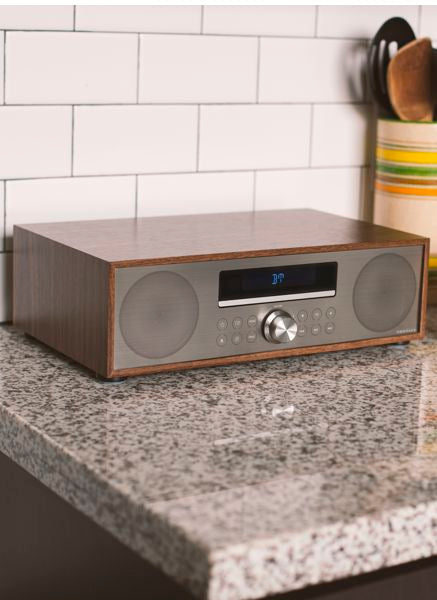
406 177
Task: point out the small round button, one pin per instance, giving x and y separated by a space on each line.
222 324
330 313
302 315
301 330
251 336
329 328
315 329
236 338
237 323
252 321
221 340
317 314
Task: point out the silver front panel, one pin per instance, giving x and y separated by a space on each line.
212 339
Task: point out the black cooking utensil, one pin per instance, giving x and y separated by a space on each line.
398 32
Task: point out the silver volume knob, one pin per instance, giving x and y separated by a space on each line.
279 327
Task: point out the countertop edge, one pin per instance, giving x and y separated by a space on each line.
167 547
282 563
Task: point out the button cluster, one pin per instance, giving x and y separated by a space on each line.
315 328
236 330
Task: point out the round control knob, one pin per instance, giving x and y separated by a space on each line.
279 327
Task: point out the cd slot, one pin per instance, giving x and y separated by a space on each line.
280 298
277 284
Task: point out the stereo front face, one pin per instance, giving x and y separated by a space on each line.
177 313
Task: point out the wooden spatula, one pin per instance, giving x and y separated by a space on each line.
409 81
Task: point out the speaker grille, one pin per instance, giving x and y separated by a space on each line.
159 314
384 292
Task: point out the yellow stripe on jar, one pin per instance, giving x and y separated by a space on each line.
424 158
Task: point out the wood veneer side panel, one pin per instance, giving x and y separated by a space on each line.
110 338
60 298
424 298
229 360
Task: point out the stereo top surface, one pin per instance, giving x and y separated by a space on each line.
219 236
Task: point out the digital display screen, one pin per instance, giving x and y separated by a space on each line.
277 281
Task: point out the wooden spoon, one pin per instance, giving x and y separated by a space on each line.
409 81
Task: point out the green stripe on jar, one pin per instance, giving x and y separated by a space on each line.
399 169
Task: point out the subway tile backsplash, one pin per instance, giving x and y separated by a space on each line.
117 111
37 17
362 21
197 193
310 188
326 71
260 20
341 135
35 141
254 137
2 66
198 69
68 199
71 68
150 19
111 140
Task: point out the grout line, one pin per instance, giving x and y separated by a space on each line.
316 23
311 135
254 191
138 67
419 21
258 69
178 104
202 8
74 17
198 140
194 34
4 67
203 172
136 196
72 140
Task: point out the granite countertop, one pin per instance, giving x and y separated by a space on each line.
245 480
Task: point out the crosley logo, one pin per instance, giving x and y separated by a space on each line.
400 331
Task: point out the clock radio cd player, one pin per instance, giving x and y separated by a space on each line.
126 297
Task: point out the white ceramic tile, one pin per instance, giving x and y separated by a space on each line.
311 70
70 199
5 287
160 19
252 137
360 21
36 17
336 191
61 68
260 20
428 21
2 47
194 193
35 141
341 134
207 69
134 139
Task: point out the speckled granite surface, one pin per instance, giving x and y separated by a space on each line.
246 480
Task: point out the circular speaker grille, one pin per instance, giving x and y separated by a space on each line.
159 314
384 292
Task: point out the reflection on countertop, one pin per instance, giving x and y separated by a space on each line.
245 480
